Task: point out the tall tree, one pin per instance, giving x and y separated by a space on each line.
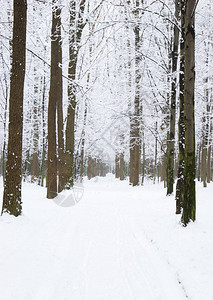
54 96
76 28
135 121
181 133
12 187
61 154
44 140
171 135
35 163
189 200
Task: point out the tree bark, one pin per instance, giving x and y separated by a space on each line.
143 162
122 166
61 154
171 139
198 161
43 161
35 166
117 165
54 96
135 120
156 154
83 142
204 165
181 132
12 186
76 28
189 200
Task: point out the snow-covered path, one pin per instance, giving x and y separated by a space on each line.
117 243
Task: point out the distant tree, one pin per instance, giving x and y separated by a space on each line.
35 162
117 165
13 177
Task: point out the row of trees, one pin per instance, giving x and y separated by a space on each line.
107 85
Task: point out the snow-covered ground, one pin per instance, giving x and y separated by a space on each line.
117 243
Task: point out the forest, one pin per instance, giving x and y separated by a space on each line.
107 100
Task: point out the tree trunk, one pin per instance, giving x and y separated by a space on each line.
89 167
117 165
204 165
54 96
189 200
181 132
122 166
135 124
156 153
209 150
143 162
61 154
209 164
5 134
12 187
199 162
76 29
171 140
83 143
34 170
43 162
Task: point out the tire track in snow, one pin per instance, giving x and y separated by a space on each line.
118 245
154 245
103 258
166 288
143 282
76 288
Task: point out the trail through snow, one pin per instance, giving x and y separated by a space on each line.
117 243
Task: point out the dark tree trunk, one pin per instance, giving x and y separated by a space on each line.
135 121
35 164
181 132
89 172
189 200
143 162
43 162
209 164
117 166
83 143
12 186
204 164
61 154
121 166
156 153
199 162
76 28
54 96
171 139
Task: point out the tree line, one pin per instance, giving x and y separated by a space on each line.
113 90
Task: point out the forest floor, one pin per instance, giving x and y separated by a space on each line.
116 243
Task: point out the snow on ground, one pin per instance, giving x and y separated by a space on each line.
117 243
